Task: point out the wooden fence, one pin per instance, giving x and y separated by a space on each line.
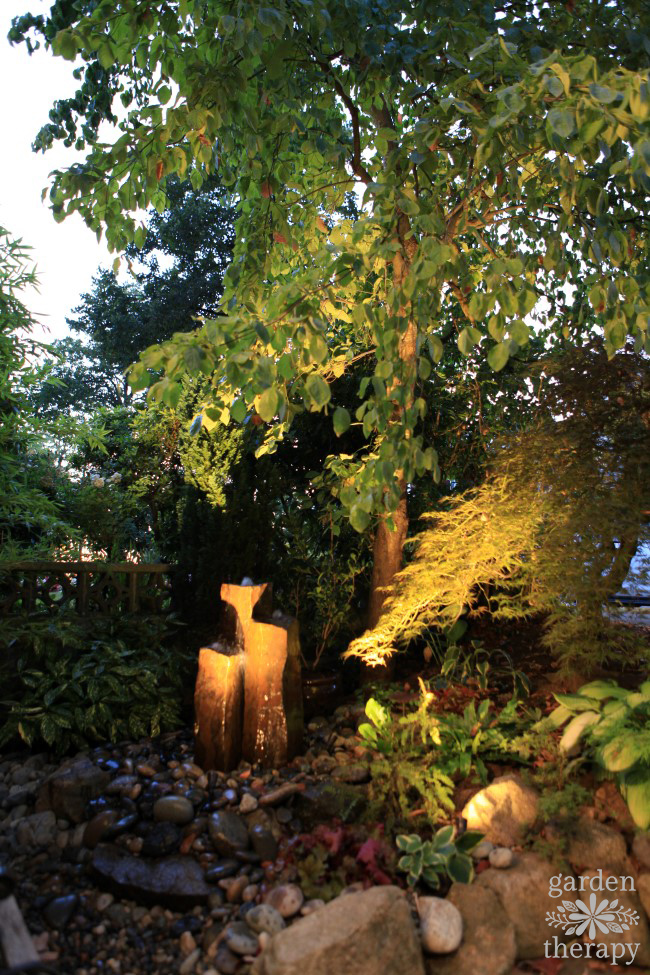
89 588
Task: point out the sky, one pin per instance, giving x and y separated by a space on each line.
67 254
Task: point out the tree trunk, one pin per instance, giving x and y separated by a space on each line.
388 545
387 559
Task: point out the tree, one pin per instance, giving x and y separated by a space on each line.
29 515
177 276
504 158
551 531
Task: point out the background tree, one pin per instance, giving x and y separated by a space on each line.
30 518
176 276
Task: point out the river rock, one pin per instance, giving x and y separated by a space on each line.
524 892
638 933
488 946
264 843
264 917
502 810
501 857
287 899
221 870
37 830
68 790
240 938
173 809
324 801
359 934
354 774
441 924
228 832
160 839
176 882
59 910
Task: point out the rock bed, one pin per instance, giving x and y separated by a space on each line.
86 866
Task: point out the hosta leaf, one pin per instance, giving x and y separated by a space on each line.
636 792
576 728
459 868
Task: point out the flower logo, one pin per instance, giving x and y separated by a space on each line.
578 918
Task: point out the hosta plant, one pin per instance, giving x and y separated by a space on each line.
614 724
442 857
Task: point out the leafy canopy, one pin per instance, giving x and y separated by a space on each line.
503 152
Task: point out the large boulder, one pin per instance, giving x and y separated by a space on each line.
523 890
488 946
68 791
356 934
502 810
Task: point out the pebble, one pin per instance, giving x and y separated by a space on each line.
265 917
287 899
187 943
441 924
482 850
224 868
264 843
189 964
312 905
501 857
236 889
240 939
248 803
225 960
59 911
228 832
173 809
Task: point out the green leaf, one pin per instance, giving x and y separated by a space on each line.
636 792
468 840
341 420
620 754
519 332
268 404
468 338
460 868
603 94
408 842
238 410
359 519
562 122
576 728
443 836
498 356
318 391
600 690
318 348
436 348
574 702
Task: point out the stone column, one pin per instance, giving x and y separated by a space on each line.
219 707
248 698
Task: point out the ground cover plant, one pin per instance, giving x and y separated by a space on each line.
69 682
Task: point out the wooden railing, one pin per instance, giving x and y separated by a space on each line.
89 588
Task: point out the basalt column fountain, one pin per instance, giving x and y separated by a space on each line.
248 696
